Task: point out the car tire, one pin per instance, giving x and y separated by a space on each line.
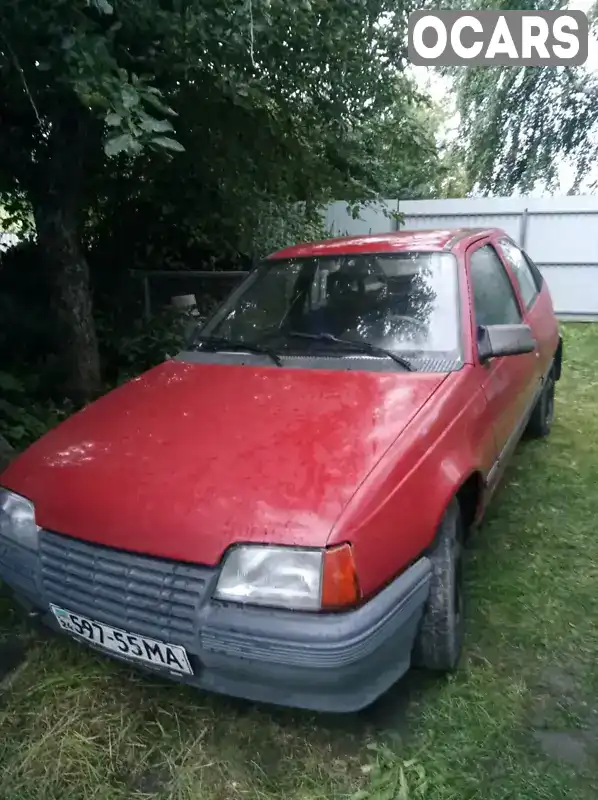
440 639
540 422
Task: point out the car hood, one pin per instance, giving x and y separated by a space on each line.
190 458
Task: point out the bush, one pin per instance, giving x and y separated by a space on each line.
22 420
128 350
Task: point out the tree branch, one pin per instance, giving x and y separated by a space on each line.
17 64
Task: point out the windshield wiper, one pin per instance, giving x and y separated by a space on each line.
359 347
222 343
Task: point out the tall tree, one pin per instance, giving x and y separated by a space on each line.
269 88
520 123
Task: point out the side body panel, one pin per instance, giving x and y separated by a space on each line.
510 383
543 323
394 515
459 433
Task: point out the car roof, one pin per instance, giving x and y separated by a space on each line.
426 240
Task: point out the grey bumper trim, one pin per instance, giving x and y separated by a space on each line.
315 641
327 662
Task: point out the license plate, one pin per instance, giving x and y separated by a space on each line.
129 645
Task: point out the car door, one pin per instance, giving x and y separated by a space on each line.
510 383
535 298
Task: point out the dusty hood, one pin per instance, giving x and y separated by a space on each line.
189 458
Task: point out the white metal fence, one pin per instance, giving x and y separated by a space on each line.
559 233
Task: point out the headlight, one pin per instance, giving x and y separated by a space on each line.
17 519
289 578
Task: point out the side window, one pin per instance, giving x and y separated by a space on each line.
493 296
537 275
521 268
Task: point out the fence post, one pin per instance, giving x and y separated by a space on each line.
523 229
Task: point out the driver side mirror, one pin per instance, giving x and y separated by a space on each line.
495 341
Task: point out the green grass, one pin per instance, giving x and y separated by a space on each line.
519 720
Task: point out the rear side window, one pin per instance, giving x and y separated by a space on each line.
523 273
493 296
537 275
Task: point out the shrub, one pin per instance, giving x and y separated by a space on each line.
23 420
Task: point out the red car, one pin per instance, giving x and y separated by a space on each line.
279 511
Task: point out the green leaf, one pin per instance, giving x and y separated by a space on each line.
130 96
17 432
168 144
119 144
153 125
103 6
113 119
8 383
153 99
403 786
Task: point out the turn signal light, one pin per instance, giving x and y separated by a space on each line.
340 586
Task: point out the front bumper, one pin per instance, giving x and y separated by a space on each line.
327 662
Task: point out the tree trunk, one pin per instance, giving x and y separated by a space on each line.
58 197
58 242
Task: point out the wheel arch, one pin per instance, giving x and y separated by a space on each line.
469 494
558 359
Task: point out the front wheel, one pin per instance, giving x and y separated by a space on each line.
440 639
540 422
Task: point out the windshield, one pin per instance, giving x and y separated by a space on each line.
404 302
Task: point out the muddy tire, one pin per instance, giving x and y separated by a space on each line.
440 639
540 422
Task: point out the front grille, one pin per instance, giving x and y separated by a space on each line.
141 594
